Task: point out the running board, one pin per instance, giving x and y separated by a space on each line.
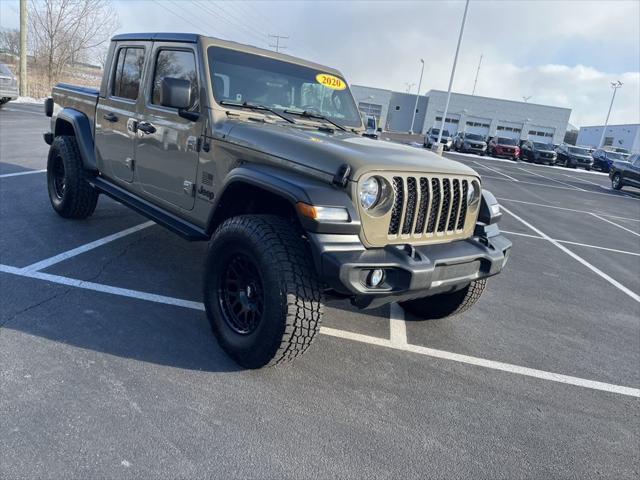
168 220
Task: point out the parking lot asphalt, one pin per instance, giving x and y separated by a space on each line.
108 367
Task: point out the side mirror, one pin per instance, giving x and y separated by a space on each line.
175 93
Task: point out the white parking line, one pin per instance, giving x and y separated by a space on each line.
552 179
397 325
18 174
497 171
47 262
381 342
567 242
615 224
575 256
583 180
24 111
523 182
567 209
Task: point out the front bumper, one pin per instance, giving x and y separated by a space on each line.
474 148
409 272
8 92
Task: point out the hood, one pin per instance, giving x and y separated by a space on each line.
581 157
325 152
545 151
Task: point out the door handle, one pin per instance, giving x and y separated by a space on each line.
110 117
146 127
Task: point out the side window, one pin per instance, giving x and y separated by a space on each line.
176 64
126 82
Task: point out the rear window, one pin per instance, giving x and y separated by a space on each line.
126 82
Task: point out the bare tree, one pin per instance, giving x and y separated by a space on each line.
69 31
10 41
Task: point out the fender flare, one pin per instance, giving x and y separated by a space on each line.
293 187
83 133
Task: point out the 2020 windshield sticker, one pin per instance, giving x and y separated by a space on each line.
331 81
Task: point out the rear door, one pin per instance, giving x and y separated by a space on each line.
167 158
118 112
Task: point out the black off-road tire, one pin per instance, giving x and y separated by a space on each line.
292 304
446 304
74 197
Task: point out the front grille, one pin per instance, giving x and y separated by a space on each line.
428 206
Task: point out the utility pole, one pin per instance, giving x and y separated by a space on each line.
277 45
615 86
453 73
415 107
477 73
23 48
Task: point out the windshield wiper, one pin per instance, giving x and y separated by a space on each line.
308 114
255 106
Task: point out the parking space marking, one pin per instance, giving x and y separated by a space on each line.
47 262
567 209
567 242
18 174
381 342
583 180
524 182
24 111
481 362
552 179
497 171
575 256
615 224
397 325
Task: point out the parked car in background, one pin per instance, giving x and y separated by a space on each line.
8 85
574 157
626 173
432 137
469 142
538 152
603 159
371 127
504 147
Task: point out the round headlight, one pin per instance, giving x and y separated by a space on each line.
369 193
473 194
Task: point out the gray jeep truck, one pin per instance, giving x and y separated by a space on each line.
262 155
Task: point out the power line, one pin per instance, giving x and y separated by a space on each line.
277 45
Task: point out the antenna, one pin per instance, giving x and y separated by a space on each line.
477 73
277 45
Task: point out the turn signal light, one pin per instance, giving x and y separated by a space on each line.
327 214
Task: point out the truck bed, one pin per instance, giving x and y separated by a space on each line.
83 99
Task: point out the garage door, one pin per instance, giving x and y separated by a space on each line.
477 125
509 130
541 134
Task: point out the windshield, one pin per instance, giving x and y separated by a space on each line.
4 70
543 146
615 156
507 141
244 77
371 123
436 131
579 151
473 136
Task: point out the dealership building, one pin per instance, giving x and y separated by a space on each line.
620 136
469 113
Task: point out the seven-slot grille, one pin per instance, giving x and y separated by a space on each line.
428 206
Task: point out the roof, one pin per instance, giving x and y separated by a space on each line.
499 99
158 37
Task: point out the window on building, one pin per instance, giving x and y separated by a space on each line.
608 141
397 107
126 80
176 64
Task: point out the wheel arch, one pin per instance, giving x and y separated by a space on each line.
75 123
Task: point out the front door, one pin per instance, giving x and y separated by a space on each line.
167 153
117 113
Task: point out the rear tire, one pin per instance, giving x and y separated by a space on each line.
70 193
262 294
446 304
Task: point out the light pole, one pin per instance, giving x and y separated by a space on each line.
413 118
23 47
453 72
615 86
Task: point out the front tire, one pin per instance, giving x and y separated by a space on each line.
70 193
616 182
446 304
262 294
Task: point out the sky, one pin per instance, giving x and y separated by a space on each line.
562 53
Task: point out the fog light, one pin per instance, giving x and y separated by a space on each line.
375 278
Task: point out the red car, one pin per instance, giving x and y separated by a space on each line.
504 147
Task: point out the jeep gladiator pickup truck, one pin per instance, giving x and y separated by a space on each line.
262 155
